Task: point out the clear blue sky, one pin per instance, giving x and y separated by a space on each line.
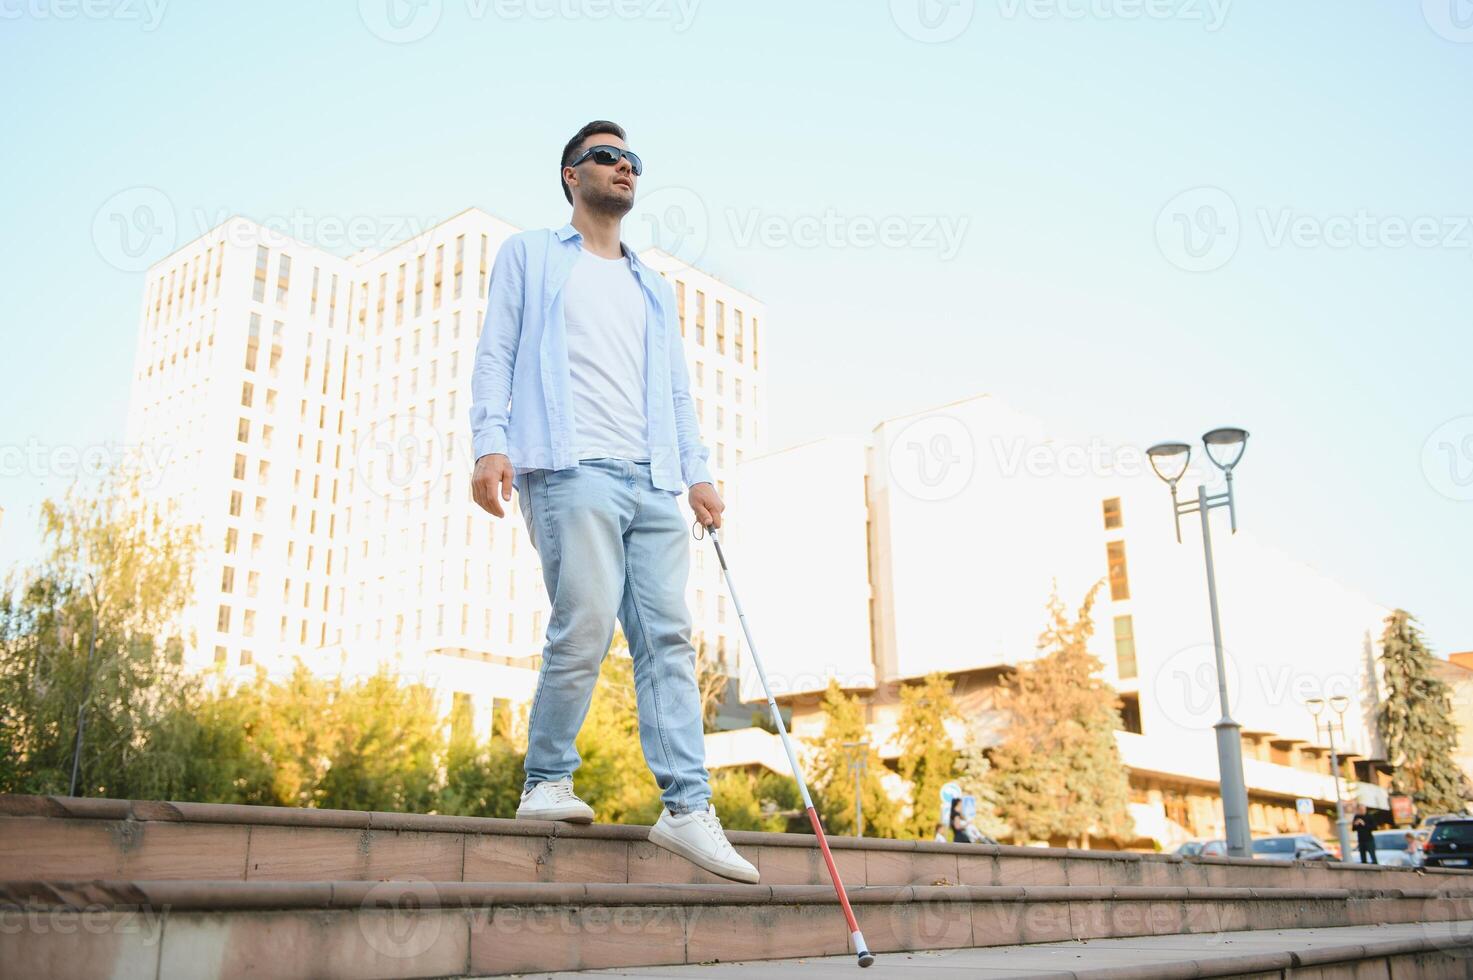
1057 132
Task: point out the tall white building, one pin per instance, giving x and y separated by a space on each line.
951 528
313 410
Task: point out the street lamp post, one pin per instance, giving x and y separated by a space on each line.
1317 706
1174 457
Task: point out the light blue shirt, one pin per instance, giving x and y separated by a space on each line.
521 404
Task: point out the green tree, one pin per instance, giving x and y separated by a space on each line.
387 738
94 623
1416 721
928 756
482 779
1058 771
832 780
749 802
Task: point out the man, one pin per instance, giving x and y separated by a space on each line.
580 399
1365 835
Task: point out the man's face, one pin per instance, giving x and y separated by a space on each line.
599 186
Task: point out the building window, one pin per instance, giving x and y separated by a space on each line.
283 278
1125 647
1119 579
1130 713
1113 519
258 287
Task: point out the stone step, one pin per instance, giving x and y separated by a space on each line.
63 838
362 929
1413 951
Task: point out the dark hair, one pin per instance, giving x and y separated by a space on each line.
571 150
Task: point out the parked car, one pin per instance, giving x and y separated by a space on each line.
1190 849
1429 822
1291 847
1214 849
1394 849
1451 844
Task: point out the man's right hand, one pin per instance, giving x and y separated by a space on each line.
491 482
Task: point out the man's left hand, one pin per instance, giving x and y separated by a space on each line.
706 503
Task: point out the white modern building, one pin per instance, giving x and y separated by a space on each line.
951 528
313 412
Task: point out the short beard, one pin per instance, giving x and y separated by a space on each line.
609 204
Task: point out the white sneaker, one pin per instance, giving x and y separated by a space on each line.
554 800
697 836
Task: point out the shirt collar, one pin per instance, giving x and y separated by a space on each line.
568 232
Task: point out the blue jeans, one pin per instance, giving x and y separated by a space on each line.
612 545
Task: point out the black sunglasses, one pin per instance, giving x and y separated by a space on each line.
610 155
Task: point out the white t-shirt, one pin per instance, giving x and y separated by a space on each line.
603 306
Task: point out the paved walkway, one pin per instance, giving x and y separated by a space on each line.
1070 958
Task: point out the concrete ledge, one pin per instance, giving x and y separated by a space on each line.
245 895
86 808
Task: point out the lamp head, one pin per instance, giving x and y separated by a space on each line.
1339 703
1315 706
1226 440
1169 460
